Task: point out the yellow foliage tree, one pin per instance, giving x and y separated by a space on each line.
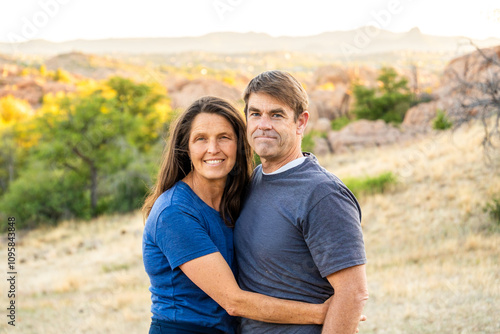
13 110
15 114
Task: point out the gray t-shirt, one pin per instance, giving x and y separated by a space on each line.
296 228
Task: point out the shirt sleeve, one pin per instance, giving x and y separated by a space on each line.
182 237
333 232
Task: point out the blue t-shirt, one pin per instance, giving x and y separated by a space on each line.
181 227
296 228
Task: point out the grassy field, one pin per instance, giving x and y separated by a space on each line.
433 253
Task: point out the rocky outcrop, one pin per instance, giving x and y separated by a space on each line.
93 66
330 104
322 125
53 87
183 93
321 146
471 67
460 83
331 74
365 133
329 92
420 116
32 89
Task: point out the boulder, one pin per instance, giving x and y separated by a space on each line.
471 67
462 82
322 125
321 146
330 95
28 89
55 87
364 133
184 93
329 104
330 74
421 115
32 89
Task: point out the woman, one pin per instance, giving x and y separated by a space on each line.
188 242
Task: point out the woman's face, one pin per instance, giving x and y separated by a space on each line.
212 147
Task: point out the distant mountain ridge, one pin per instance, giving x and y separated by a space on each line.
361 41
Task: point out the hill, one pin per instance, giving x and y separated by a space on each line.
342 44
432 251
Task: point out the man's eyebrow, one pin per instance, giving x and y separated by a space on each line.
277 111
253 109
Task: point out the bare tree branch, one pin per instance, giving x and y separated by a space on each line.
476 91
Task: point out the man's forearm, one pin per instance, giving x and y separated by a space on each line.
351 294
344 313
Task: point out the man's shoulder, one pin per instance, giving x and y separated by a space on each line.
318 176
320 183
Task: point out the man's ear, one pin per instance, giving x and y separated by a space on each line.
302 122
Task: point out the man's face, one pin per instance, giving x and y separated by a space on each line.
271 129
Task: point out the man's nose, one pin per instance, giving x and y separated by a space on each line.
264 123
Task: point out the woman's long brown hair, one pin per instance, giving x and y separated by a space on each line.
176 164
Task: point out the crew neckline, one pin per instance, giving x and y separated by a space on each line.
185 185
290 165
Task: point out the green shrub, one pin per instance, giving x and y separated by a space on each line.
308 142
389 101
340 122
123 191
493 208
371 184
108 268
441 121
45 196
256 159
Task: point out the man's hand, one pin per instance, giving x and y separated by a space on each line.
361 318
346 308
327 303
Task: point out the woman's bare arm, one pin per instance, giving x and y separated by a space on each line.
212 274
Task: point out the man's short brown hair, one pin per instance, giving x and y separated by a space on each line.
280 85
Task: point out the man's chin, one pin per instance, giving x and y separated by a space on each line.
264 153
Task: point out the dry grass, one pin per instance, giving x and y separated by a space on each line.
433 257
83 278
433 253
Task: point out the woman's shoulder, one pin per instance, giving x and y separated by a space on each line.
179 198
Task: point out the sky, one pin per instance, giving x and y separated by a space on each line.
63 20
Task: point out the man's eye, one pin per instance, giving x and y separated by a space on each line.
254 114
277 116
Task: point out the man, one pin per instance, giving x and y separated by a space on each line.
299 234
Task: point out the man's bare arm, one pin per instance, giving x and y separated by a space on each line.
351 294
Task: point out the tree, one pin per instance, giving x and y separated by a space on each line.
475 80
97 135
388 102
14 113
